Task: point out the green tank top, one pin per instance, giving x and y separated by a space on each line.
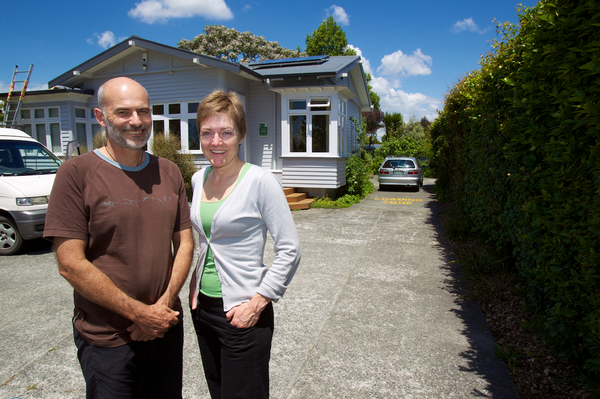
210 285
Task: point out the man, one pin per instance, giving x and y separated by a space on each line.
120 221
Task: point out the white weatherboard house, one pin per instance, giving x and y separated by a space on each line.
299 111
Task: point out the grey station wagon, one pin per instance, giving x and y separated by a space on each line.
400 171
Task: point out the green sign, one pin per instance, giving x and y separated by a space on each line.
263 129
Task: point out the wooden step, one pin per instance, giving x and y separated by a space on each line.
304 204
295 197
297 200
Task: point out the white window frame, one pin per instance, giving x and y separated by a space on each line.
47 121
333 140
183 117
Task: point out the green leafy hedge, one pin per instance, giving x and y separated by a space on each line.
518 146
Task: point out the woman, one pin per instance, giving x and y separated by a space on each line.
234 204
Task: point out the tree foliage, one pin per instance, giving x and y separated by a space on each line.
169 147
375 99
229 44
517 146
415 130
374 121
328 39
394 125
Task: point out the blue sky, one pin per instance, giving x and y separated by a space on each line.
415 50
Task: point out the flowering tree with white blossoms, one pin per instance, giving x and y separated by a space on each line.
229 44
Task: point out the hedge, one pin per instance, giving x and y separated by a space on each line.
517 145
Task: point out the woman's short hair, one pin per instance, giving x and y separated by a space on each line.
220 102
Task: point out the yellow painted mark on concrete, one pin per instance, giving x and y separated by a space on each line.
398 201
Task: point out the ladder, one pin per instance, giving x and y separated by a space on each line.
13 105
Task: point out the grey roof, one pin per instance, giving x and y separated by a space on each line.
330 66
51 92
73 77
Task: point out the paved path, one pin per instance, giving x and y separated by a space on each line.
375 311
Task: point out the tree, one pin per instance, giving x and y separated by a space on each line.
425 123
375 99
374 121
394 125
229 44
414 129
328 39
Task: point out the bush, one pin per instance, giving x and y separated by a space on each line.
357 178
169 148
517 147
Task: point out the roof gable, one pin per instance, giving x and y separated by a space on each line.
75 76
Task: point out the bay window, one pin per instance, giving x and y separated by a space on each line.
311 126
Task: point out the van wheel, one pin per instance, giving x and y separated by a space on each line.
10 239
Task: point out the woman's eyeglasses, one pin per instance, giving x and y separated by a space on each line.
224 135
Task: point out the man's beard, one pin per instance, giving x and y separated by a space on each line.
119 139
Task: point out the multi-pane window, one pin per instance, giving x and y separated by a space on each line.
341 127
309 124
177 119
43 124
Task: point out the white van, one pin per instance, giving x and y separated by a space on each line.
27 171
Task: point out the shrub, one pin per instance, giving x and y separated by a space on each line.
357 177
169 148
516 146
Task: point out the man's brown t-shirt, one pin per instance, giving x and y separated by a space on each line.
128 217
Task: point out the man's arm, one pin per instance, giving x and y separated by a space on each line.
93 284
183 245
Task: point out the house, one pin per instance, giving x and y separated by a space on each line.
300 111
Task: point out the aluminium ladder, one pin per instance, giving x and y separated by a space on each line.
12 106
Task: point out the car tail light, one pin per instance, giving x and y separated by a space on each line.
413 172
384 172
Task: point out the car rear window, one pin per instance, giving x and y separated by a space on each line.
399 163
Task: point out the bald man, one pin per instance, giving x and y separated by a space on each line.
120 222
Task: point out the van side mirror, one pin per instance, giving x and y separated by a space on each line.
73 149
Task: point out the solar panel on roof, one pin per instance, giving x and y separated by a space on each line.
315 59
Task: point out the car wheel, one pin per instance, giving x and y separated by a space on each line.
418 188
10 239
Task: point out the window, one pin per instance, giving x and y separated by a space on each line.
79 113
320 133
309 123
43 125
298 133
342 127
177 122
56 145
158 109
320 104
174 109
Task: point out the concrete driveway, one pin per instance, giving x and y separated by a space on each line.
376 310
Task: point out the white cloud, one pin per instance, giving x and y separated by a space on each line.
339 14
467 25
107 39
151 11
247 7
393 99
402 64
366 64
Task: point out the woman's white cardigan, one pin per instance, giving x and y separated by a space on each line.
239 233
